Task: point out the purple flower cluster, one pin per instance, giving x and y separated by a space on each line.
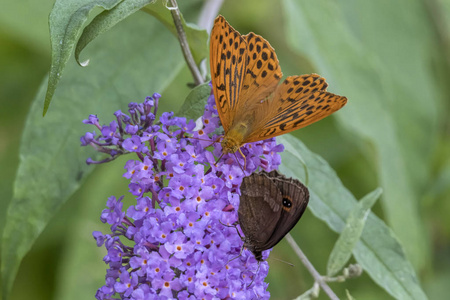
178 241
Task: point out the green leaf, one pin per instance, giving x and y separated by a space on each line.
361 48
194 105
66 21
378 252
52 163
196 37
105 21
342 250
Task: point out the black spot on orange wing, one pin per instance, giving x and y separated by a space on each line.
259 64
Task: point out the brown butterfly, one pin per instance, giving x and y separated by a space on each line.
270 206
252 106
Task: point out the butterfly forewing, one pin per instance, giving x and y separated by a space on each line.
228 64
263 71
299 101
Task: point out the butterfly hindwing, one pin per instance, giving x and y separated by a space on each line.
295 198
297 102
228 52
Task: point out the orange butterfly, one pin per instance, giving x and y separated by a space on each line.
252 106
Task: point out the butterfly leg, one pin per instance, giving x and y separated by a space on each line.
240 253
235 226
254 276
242 168
215 164
245 160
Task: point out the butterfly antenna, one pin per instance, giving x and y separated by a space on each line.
283 261
199 139
216 141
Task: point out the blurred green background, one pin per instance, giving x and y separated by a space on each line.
61 264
